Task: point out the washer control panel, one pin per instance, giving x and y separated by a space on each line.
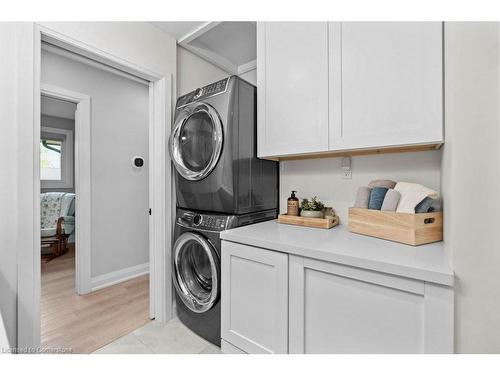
213 223
203 222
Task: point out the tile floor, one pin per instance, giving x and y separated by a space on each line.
172 337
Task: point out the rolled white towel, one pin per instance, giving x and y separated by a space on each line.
411 195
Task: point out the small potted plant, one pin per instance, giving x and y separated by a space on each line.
312 208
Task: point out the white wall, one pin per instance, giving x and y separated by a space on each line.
139 43
250 76
120 119
471 181
323 177
8 180
194 72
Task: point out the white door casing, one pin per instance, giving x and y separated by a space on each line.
29 281
82 182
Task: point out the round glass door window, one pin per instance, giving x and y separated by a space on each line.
196 272
196 141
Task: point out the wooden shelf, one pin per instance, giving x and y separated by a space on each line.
371 151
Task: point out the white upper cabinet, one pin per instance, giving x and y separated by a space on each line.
386 84
292 82
348 86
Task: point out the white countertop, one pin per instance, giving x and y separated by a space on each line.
425 262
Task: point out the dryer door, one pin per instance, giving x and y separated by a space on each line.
196 141
196 269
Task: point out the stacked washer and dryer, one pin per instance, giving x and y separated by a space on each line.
220 184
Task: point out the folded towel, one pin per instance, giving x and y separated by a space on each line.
411 195
362 197
428 205
389 184
377 196
391 200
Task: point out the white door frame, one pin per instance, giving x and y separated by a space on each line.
82 162
160 192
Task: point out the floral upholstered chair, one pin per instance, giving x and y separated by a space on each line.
57 213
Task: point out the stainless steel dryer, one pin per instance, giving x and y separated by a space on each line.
213 149
196 267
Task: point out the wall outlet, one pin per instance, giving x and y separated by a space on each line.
346 168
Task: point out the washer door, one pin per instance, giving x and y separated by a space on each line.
196 141
196 272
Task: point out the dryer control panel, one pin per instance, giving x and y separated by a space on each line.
204 92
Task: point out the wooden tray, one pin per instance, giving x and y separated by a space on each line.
326 223
410 229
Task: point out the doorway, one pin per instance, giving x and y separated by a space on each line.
160 194
96 290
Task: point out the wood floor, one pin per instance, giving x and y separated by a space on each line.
83 324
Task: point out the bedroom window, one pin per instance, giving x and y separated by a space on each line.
50 159
56 158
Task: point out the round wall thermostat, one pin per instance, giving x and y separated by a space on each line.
138 162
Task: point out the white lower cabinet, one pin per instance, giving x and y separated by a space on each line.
341 309
254 299
273 302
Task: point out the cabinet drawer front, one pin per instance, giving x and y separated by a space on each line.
368 276
292 87
390 79
254 298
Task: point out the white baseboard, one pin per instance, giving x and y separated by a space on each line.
115 277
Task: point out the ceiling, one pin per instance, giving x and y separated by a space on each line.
237 41
58 108
179 29
232 46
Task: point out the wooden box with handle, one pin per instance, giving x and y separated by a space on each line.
410 229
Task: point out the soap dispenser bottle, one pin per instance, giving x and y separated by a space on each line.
292 208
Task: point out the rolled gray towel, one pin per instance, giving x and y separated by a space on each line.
377 196
362 197
389 184
391 200
428 205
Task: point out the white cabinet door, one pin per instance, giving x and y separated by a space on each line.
254 298
386 84
292 76
341 309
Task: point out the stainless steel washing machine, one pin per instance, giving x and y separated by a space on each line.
196 266
214 152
